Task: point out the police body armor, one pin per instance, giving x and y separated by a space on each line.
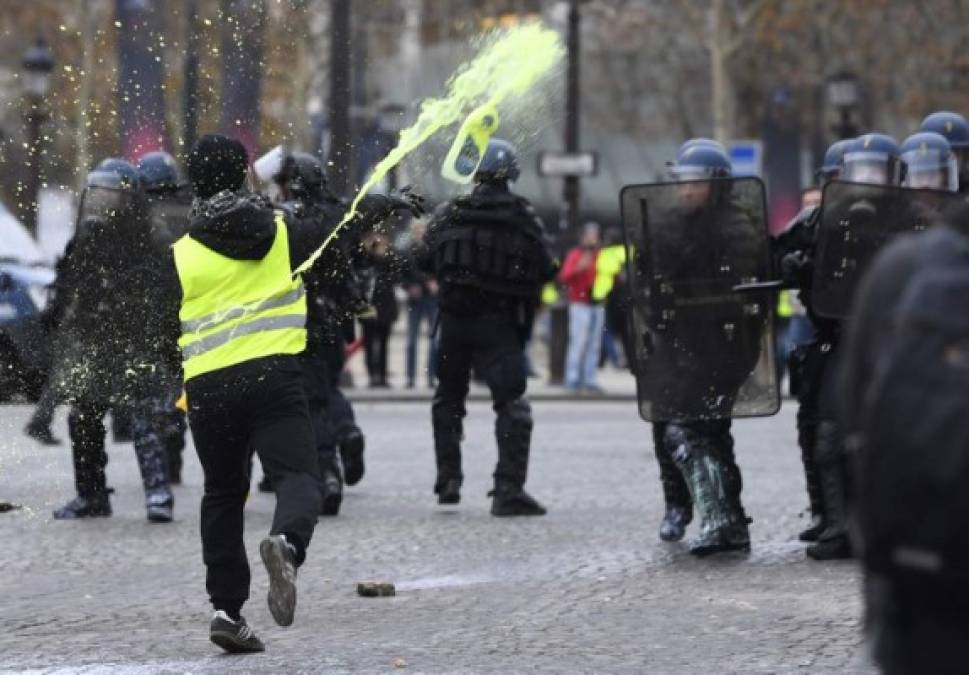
493 243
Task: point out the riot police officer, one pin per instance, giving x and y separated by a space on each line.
113 352
334 297
691 434
872 159
489 255
954 128
168 203
794 251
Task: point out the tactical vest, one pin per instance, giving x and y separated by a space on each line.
491 246
238 310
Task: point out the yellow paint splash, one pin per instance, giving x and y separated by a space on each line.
509 63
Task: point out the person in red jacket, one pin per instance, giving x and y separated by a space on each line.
586 318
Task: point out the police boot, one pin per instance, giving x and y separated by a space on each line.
448 490
42 433
673 527
160 504
351 454
92 506
807 439
679 508
722 526
331 488
448 432
513 431
833 542
510 499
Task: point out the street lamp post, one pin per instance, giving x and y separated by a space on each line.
559 320
37 64
843 96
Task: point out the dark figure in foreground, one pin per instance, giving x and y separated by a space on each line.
112 352
488 253
904 402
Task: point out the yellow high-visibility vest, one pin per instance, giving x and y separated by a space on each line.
238 310
785 310
608 266
550 294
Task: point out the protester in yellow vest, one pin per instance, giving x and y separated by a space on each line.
242 317
609 265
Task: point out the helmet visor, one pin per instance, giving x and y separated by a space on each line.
931 169
105 203
692 172
875 168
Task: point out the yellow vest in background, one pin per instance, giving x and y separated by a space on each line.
238 310
784 308
608 266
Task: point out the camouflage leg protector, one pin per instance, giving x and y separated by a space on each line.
722 526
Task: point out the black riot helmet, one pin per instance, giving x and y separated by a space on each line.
302 175
833 162
954 127
112 190
701 159
500 162
874 159
159 173
930 162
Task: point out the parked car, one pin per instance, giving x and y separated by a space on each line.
25 279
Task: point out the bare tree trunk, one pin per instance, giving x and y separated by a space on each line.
339 156
243 28
720 94
89 26
141 79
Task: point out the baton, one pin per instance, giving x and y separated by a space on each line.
759 286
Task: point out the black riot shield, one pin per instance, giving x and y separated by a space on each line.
701 350
857 221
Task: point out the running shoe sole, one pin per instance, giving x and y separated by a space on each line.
282 579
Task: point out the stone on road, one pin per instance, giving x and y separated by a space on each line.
587 588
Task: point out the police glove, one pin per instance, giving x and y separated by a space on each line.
407 199
797 269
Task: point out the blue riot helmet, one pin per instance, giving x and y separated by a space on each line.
874 159
954 127
159 173
833 162
112 189
700 159
500 162
930 162
123 168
